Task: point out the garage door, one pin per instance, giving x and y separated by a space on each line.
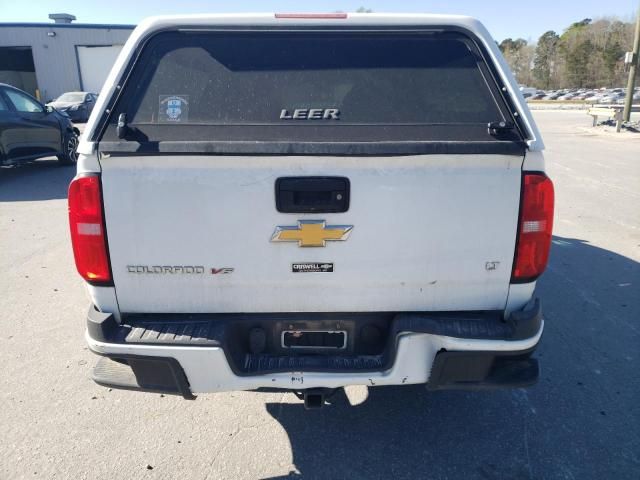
17 68
95 64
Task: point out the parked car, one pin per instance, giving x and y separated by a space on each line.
595 97
567 96
30 130
623 98
212 298
583 95
611 98
527 91
78 105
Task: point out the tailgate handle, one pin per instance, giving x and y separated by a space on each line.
312 194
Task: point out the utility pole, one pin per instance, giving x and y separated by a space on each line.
632 72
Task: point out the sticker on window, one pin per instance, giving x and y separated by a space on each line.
173 109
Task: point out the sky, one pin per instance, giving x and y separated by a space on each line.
504 19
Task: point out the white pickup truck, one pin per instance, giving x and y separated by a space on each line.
310 201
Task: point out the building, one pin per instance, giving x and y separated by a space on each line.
48 59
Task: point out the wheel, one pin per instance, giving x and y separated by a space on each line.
70 146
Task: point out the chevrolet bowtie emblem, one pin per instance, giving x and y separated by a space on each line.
312 233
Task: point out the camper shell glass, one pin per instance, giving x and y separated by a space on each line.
218 91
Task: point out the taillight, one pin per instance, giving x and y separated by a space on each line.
87 229
534 228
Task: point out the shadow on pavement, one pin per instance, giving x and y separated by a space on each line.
40 180
580 421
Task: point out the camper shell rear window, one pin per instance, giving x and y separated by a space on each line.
216 88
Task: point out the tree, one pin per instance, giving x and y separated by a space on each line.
587 54
580 24
509 45
545 59
519 56
575 49
609 38
577 60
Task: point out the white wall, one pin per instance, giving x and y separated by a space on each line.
95 64
55 57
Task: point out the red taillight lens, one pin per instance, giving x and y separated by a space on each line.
535 227
87 229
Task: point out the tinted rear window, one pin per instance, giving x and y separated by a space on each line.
246 79
310 86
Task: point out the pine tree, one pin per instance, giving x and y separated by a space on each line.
545 58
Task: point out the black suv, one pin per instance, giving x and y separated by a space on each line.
29 130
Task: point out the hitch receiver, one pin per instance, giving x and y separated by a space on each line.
314 398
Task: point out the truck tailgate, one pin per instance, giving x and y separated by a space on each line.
430 232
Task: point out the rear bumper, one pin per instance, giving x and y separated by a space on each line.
188 354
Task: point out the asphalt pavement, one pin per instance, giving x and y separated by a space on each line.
582 420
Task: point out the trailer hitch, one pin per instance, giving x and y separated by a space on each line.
315 398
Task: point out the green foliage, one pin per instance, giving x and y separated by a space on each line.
577 60
588 54
509 45
543 61
519 55
579 25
